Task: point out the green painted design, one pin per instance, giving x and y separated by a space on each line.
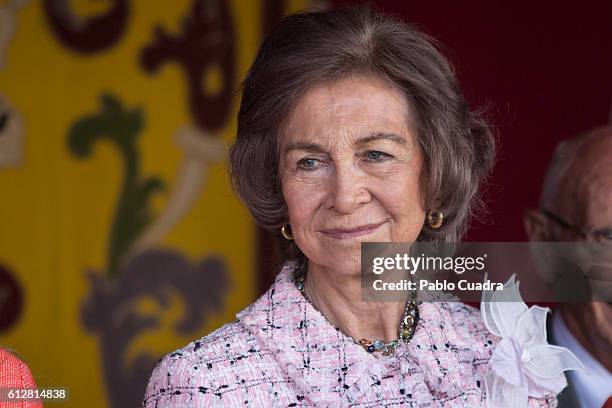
132 213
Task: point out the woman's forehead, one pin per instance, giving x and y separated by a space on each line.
354 92
355 107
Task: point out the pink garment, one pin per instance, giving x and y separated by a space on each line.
281 352
15 374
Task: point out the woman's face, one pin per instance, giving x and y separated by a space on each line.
350 167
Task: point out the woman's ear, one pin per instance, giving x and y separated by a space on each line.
536 226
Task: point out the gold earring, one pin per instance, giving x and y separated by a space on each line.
286 232
435 219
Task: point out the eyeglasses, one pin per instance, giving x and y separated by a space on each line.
602 236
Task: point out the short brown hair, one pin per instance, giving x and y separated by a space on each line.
309 49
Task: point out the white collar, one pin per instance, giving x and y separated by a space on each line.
592 387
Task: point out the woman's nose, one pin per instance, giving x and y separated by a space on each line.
348 189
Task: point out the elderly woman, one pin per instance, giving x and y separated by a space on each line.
351 129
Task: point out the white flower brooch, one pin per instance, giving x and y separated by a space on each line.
523 364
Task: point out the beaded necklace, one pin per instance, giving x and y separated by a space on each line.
406 328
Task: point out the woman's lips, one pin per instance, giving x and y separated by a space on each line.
338 233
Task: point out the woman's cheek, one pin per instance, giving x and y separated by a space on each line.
302 201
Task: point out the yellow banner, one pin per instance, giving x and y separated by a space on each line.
120 237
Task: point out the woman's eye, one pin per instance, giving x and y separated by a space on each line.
375 155
308 163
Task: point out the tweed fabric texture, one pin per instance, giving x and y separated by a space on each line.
282 352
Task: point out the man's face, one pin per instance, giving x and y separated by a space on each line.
584 200
595 190
597 210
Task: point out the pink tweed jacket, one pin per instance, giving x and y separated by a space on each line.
281 352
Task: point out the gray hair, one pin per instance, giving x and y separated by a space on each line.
565 156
